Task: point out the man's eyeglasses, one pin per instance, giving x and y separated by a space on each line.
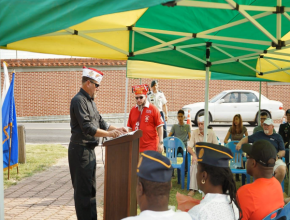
139 97
96 85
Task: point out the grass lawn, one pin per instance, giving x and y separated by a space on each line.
38 158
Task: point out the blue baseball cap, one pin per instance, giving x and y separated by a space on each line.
213 154
154 167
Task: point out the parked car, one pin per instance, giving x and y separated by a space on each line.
225 105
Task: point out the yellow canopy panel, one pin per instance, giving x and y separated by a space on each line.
109 38
142 69
268 64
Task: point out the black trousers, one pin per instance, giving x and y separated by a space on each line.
164 126
82 165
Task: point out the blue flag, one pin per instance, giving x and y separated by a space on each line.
8 120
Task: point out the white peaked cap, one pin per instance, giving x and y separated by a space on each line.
269 121
92 73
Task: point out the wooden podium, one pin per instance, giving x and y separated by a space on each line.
121 161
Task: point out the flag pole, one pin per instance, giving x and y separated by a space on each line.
1 159
9 151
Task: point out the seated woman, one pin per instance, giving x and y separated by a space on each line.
215 179
237 130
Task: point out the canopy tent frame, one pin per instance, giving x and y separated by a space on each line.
203 34
187 36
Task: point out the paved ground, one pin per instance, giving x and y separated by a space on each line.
49 195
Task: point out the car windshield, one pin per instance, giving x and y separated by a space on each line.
217 97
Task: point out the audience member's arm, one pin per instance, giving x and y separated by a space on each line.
241 142
281 147
172 131
227 137
281 153
192 152
246 133
189 135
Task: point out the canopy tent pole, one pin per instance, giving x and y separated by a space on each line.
1 159
259 123
126 100
206 92
260 95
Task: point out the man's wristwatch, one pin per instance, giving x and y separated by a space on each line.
160 142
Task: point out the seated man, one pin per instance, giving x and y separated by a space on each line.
284 131
273 138
181 131
264 195
153 188
197 136
263 117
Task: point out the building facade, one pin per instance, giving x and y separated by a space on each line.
44 87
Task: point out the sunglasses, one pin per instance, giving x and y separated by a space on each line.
96 85
139 97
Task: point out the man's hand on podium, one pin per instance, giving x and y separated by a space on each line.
160 148
123 130
114 133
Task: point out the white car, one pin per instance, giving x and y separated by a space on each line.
225 105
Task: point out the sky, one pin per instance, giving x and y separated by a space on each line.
13 54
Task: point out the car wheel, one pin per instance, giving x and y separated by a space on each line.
202 113
257 116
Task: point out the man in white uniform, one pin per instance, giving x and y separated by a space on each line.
153 188
157 98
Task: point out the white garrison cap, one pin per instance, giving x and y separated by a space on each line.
201 119
92 73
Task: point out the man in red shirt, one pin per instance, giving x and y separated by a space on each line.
265 194
146 117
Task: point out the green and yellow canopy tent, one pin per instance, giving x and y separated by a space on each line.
186 39
155 39
210 39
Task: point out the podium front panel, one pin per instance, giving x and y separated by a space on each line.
120 180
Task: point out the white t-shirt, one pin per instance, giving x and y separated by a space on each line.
158 99
214 206
165 215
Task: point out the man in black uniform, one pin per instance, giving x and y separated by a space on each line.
87 125
284 131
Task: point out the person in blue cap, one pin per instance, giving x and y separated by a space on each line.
153 188
215 179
